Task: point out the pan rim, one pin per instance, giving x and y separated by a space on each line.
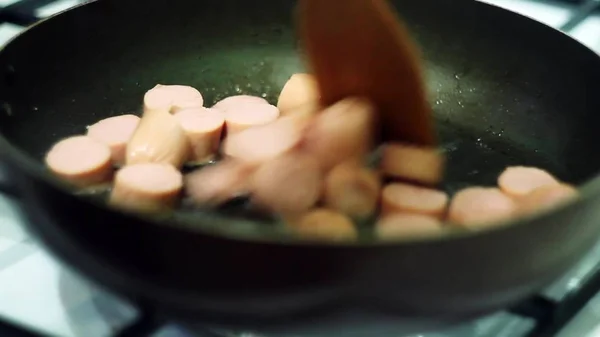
13 155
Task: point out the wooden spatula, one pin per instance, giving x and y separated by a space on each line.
360 48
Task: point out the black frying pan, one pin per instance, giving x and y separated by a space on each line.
506 90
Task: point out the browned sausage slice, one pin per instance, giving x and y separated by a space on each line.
290 183
352 190
341 132
480 207
402 226
159 138
324 225
404 198
238 102
116 133
518 181
219 183
203 128
299 90
80 160
149 187
251 115
262 143
172 98
546 197
413 163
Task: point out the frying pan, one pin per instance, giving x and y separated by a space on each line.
505 89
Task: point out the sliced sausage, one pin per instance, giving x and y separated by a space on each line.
262 143
238 102
341 132
412 163
251 115
159 138
405 198
480 207
216 184
172 98
401 226
324 224
80 160
299 90
518 181
546 197
203 128
290 183
147 187
116 133
352 190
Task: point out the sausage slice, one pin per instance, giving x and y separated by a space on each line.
299 90
80 160
480 207
116 133
159 138
352 190
412 163
518 181
251 115
203 128
401 226
262 143
172 98
324 225
287 184
546 197
238 102
216 184
405 198
147 187
343 131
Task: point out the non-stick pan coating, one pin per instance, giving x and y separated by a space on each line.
505 90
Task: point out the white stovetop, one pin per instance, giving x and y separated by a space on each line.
31 281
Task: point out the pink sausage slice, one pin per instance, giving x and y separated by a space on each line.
324 225
216 184
148 187
299 90
81 161
412 163
287 184
518 181
404 198
262 143
158 139
480 207
116 133
546 197
172 98
203 128
251 115
238 102
352 190
343 131
402 226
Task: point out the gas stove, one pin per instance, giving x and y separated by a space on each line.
41 297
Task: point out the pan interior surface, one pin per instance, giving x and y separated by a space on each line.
511 97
